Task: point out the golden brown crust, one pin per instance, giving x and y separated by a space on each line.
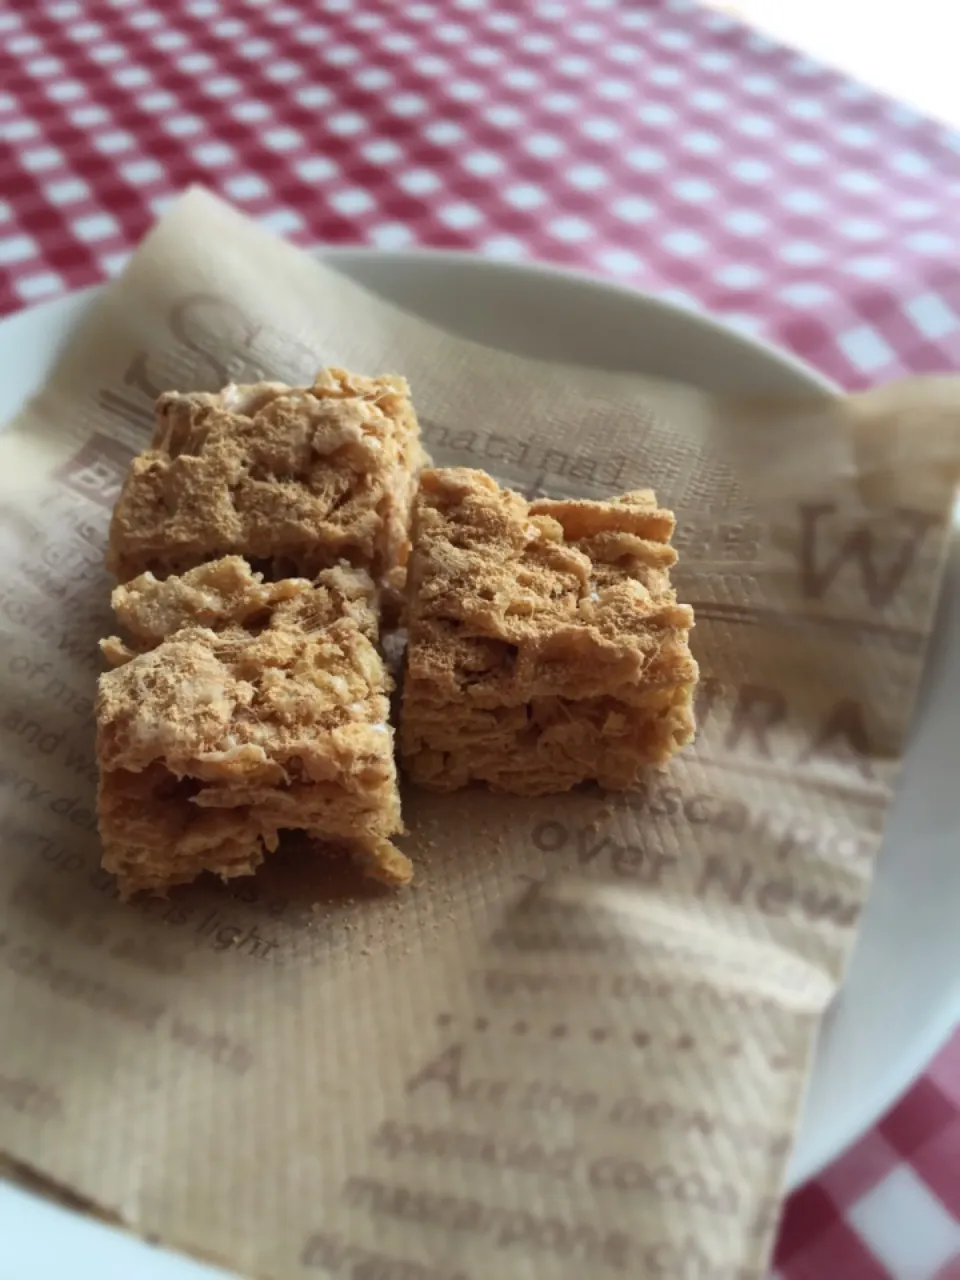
275 715
298 478
546 645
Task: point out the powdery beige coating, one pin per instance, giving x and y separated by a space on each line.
546 644
227 593
295 478
217 737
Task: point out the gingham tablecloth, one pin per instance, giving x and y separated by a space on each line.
656 143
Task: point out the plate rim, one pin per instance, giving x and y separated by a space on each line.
804 372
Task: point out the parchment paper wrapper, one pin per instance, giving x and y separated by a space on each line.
578 1046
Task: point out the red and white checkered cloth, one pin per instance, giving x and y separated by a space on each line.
656 143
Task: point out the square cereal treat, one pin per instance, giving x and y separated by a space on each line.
295 479
239 709
546 645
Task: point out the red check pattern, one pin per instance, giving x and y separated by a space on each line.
657 143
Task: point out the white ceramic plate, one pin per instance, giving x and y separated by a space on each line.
902 996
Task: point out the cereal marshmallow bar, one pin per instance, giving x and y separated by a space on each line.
546 645
237 709
295 479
